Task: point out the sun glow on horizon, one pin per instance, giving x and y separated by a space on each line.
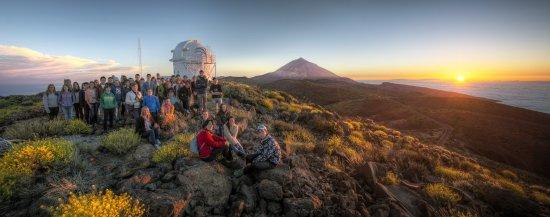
460 78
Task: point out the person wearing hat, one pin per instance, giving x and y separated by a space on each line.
267 156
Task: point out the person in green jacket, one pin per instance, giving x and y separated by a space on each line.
108 104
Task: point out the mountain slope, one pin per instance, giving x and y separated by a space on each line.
331 166
298 69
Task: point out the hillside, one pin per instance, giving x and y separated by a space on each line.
332 166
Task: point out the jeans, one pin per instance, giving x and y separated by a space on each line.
67 112
53 112
93 113
153 135
201 101
108 115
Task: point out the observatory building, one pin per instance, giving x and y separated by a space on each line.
189 57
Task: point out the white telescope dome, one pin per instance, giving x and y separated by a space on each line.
189 57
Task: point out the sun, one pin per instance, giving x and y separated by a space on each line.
460 78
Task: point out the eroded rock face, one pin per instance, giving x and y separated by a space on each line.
208 182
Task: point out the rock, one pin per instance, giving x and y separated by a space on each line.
123 171
250 197
270 190
237 208
163 202
208 182
169 185
278 174
298 206
141 157
5 145
139 180
169 176
164 167
298 161
274 207
151 187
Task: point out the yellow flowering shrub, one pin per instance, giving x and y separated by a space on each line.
18 165
170 152
121 141
105 204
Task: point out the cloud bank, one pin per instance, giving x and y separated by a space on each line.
24 65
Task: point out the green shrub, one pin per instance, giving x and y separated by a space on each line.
390 179
121 141
300 140
38 128
100 204
541 197
509 175
442 194
452 174
170 152
19 164
275 95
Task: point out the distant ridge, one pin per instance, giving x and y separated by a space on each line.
299 69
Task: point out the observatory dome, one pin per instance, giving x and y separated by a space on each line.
189 57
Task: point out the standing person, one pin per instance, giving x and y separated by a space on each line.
210 145
133 101
201 86
154 85
108 104
123 108
184 92
152 102
66 101
116 89
50 99
267 156
102 84
193 90
161 91
147 127
83 105
217 94
91 100
77 101
146 85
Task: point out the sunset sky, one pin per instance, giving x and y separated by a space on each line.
41 41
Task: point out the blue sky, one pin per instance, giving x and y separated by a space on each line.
359 39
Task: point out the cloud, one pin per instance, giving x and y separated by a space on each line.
24 65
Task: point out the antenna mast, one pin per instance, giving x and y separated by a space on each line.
139 56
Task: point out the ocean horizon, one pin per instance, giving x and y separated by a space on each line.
532 95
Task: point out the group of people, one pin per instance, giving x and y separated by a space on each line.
139 99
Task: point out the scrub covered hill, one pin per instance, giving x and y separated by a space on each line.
331 166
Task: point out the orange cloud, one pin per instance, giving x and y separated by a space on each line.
24 65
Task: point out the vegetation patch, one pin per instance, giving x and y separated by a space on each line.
509 175
100 204
20 163
541 197
121 141
173 150
442 194
390 179
452 174
511 185
38 128
300 140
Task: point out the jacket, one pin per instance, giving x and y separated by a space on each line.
50 101
207 141
201 84
108 101
131 99
268 150
91 95
152 102
66 99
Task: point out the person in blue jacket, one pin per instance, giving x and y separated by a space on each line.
152 102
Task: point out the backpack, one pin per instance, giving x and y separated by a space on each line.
193 146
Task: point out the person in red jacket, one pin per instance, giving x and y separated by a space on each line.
210 145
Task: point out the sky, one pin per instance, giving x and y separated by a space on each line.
42 41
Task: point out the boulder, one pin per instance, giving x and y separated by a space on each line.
270 190
250 197
140 158
298 206
208 182
278 174
163 202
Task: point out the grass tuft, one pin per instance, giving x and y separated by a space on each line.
442 194
121 141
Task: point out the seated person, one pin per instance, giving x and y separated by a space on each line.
221 118
267 156
146 127
211 146
167 113
230 131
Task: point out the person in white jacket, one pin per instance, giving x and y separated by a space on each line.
133 101
51 102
